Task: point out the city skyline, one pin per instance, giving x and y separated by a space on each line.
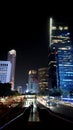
31 42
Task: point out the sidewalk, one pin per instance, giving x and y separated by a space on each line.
34 116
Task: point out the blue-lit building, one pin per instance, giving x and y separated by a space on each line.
5 71
64 69
60 56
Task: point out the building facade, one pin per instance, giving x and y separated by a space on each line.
33 82
43 79
19 89
12 59
64 69
5 71
60 47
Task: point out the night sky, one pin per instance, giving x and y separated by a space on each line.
26 31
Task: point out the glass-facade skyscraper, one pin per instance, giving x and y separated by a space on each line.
60 56
64 69
58 33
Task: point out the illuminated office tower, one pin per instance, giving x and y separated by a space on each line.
5 71
33 82
43 79
12 59
59 37
58 34
64 69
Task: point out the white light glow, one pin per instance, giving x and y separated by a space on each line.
50 30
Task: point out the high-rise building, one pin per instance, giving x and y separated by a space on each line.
33 82
43 79
12 59
5 71
59 41
59 34
64 69
19 89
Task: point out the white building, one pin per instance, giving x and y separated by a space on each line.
5 71
12 59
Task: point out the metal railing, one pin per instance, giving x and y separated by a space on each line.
23 116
